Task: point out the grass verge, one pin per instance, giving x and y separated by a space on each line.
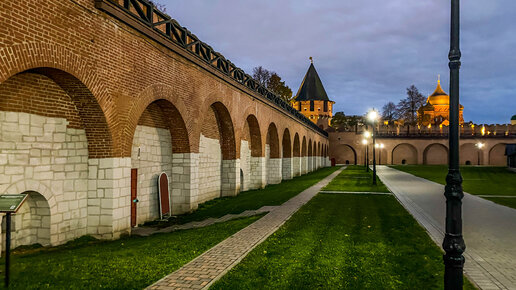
274 194
343 241
128 263
476 180
355 178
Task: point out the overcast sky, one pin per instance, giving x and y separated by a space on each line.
367 52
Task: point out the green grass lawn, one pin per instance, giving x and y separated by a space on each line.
128 263
477 180
343 241
355 178
274 194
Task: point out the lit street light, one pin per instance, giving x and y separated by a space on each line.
373 116
479 145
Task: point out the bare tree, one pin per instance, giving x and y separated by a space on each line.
262 75
272 81
389 111
407 108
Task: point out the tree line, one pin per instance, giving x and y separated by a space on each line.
405 111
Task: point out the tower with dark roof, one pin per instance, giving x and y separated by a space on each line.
311 99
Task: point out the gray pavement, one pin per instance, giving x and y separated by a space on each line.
489 229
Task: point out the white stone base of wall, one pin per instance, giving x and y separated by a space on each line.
184 184
286 168
296 166
304 165
258 170
43 155
274 170
245 166
210 164
230 177
109 197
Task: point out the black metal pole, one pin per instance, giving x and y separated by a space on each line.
367 158
453 243
7 247
374 157
478 157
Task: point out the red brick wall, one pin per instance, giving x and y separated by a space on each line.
37 94
112 73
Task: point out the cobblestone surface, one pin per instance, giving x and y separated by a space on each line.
489 229
147 231
213 264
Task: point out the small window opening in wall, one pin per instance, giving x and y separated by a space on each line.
403 161
468 162
325 106
311 106
139 152
347 162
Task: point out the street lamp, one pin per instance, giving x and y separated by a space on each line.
479 145
453 243
373 116
366 161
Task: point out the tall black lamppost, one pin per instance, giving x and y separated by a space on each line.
372 116
380 146
453 243
365 142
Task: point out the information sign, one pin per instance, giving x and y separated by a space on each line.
11 202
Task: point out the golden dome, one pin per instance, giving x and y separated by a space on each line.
439 97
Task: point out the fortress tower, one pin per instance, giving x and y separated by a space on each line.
311 99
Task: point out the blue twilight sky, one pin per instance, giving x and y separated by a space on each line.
367 52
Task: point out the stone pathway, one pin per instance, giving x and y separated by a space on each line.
213 264
489 229
147 231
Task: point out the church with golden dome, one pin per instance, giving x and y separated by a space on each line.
436 111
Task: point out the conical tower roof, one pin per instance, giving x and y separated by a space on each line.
311 88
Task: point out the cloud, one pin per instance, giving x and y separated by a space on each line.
367 52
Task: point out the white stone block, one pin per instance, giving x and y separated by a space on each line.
12 170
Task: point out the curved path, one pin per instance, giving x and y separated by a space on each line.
489 229
204 270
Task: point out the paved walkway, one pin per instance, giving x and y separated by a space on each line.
147 231
213 264
489 229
